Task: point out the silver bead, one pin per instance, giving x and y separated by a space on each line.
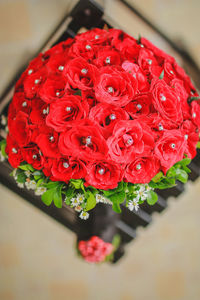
186 136
84 71
24 104
65 165
96 37
14 150
88 47
61 68
160 127
57 94
108 60
130 141
34 156
110 89
194 115
149 61
101 171
46 111
30 72
139 106
173 146
68 108
142 46
88 140
162 97
138 167
171 72
37 81
51 138
112 116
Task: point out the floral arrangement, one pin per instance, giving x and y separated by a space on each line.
96 250
103 118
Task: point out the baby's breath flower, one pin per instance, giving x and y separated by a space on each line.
74 202
40 190
20 185
133 205
2 158
31 185
80 198
84 215
101 199
27 173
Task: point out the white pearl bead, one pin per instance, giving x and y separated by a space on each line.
88 47
138 167
84 71
88 140
101 171
139 106
65 165
194 115
110 89
51 138
14 150
108 60
68 108
173 146
30 72
149 61
61 68
34 156
37 81
162 97
112 116
24 104
130 141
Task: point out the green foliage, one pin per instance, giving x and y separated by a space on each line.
91 201
53 195
3 148
27 167
152 198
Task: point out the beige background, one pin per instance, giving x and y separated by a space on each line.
37 259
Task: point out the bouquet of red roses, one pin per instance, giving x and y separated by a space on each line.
104 118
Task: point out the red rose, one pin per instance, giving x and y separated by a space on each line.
137 73
147 60
14 152
115 86
53 88
128 139
47 141
170 148
40 110
83 48
141 105
166 101
89 97
96 36
103 175
65 168
158 52
33 83
19 129
191 134
84 141
107 56
21 103
80 73
142 169
107 115
182 96
195 112
95 250
56 63
33 156
64 113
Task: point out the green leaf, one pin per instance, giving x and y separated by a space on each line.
139 39
198 145
52 184
157 177
121 187
47 197
3 147
57 196
181 175
26 167
21 177
117 199
162 74
77 92
77 183
152 198
91 201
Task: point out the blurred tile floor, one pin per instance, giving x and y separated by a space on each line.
37 259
